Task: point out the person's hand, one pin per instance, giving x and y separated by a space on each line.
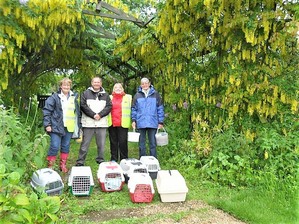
160 126
48 129
97 117
134 125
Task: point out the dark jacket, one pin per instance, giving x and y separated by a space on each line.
148 111
92 103
53 114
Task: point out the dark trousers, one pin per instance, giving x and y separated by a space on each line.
118 137
88 133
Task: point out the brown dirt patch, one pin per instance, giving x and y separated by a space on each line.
183 212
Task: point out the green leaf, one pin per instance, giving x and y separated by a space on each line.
53 217
21 199
24 213
53 203
14 178
3 198
2 168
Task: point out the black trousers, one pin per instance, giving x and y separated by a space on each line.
118 137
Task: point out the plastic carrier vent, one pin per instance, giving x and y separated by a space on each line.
110 176
81 180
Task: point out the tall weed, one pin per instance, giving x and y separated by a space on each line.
21 153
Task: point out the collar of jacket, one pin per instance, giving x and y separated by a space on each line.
101 90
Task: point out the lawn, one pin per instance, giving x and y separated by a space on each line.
248 204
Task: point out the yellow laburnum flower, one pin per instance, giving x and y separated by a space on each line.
283 97
294 106
235 108
266 155
231 79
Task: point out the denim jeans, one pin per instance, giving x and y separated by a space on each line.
152 141
59 142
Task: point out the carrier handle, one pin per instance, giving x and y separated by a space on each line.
162 128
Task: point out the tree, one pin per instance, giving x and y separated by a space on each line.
40 38
230 57
36 37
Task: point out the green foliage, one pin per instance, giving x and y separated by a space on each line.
229 162
177 121
21 153
270 161
277 158
230 157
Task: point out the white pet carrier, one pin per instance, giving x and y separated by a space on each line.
152 165
171 186
130 166
81 180
47 180
110 176
141 187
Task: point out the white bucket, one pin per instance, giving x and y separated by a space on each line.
133 136
161 137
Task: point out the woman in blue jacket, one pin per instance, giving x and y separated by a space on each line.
147 115
61 121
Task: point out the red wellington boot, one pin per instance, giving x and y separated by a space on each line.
51 161
63 159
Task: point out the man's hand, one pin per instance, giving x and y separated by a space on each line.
97 117
134 125
160 126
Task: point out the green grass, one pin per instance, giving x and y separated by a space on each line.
252 205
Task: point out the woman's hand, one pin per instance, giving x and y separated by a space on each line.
49 129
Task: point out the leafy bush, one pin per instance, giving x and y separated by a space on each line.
229 161
230 156
20 155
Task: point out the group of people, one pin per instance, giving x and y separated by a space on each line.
98 111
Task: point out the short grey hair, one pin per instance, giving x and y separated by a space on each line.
144 80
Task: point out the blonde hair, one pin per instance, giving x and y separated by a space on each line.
116 84
65 80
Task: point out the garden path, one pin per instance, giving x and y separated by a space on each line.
187 212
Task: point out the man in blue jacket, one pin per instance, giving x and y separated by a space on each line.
147 115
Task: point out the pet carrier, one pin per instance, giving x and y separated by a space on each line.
141 187
152 165
171 186
81 180
47 180
110 176
130 166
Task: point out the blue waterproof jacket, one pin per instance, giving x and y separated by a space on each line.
53 114
148 111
